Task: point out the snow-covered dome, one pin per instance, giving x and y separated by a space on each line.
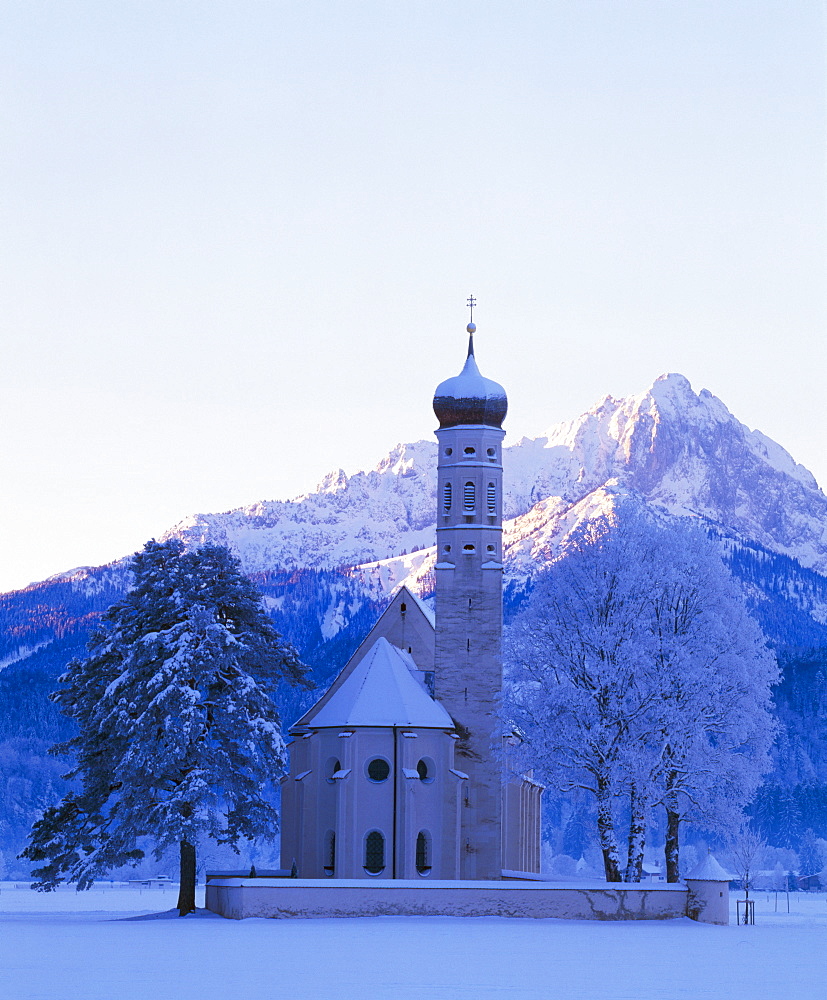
708 870
468 398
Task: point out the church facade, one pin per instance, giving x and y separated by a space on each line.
398 770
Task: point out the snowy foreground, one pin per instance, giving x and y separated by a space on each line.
115 942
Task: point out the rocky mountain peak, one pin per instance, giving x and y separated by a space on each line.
679 451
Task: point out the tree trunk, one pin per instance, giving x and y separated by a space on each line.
673 870
186 891
606 830
637 835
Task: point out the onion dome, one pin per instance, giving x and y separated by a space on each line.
468 398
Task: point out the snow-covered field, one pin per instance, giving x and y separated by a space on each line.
111 944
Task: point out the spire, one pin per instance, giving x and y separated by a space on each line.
472 326
468 398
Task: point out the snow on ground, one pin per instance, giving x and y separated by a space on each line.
106 945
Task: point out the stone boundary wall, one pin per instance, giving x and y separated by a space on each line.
238 898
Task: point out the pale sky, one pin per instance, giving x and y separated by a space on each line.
238 236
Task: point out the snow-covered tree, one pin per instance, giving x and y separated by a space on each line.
178 734
637 672
811 856
576 656
746 850
713 675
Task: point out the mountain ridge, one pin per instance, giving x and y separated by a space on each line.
680 451
683 453
326 561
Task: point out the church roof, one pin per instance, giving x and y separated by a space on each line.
469 398
381 691
412 630
423 607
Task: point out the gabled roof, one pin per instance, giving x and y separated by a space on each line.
380 691
423 607
413 629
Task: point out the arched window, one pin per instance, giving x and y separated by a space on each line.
329 854
469 497
446 497
374 853
423 852
492 498
330 768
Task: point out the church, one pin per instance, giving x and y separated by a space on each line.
398 771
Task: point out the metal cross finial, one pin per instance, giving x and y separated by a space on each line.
471 303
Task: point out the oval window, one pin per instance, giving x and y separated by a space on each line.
379 769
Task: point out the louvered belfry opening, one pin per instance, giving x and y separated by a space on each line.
469 496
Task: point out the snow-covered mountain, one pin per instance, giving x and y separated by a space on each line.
326 561
347 520
679 451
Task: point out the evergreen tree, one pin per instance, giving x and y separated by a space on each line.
811 858
178 734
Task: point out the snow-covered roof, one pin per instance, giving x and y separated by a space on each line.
469 398
381 691
710 871
391 627
423 607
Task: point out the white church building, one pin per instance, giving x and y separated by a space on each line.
397 772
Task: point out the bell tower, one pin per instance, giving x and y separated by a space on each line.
469 570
